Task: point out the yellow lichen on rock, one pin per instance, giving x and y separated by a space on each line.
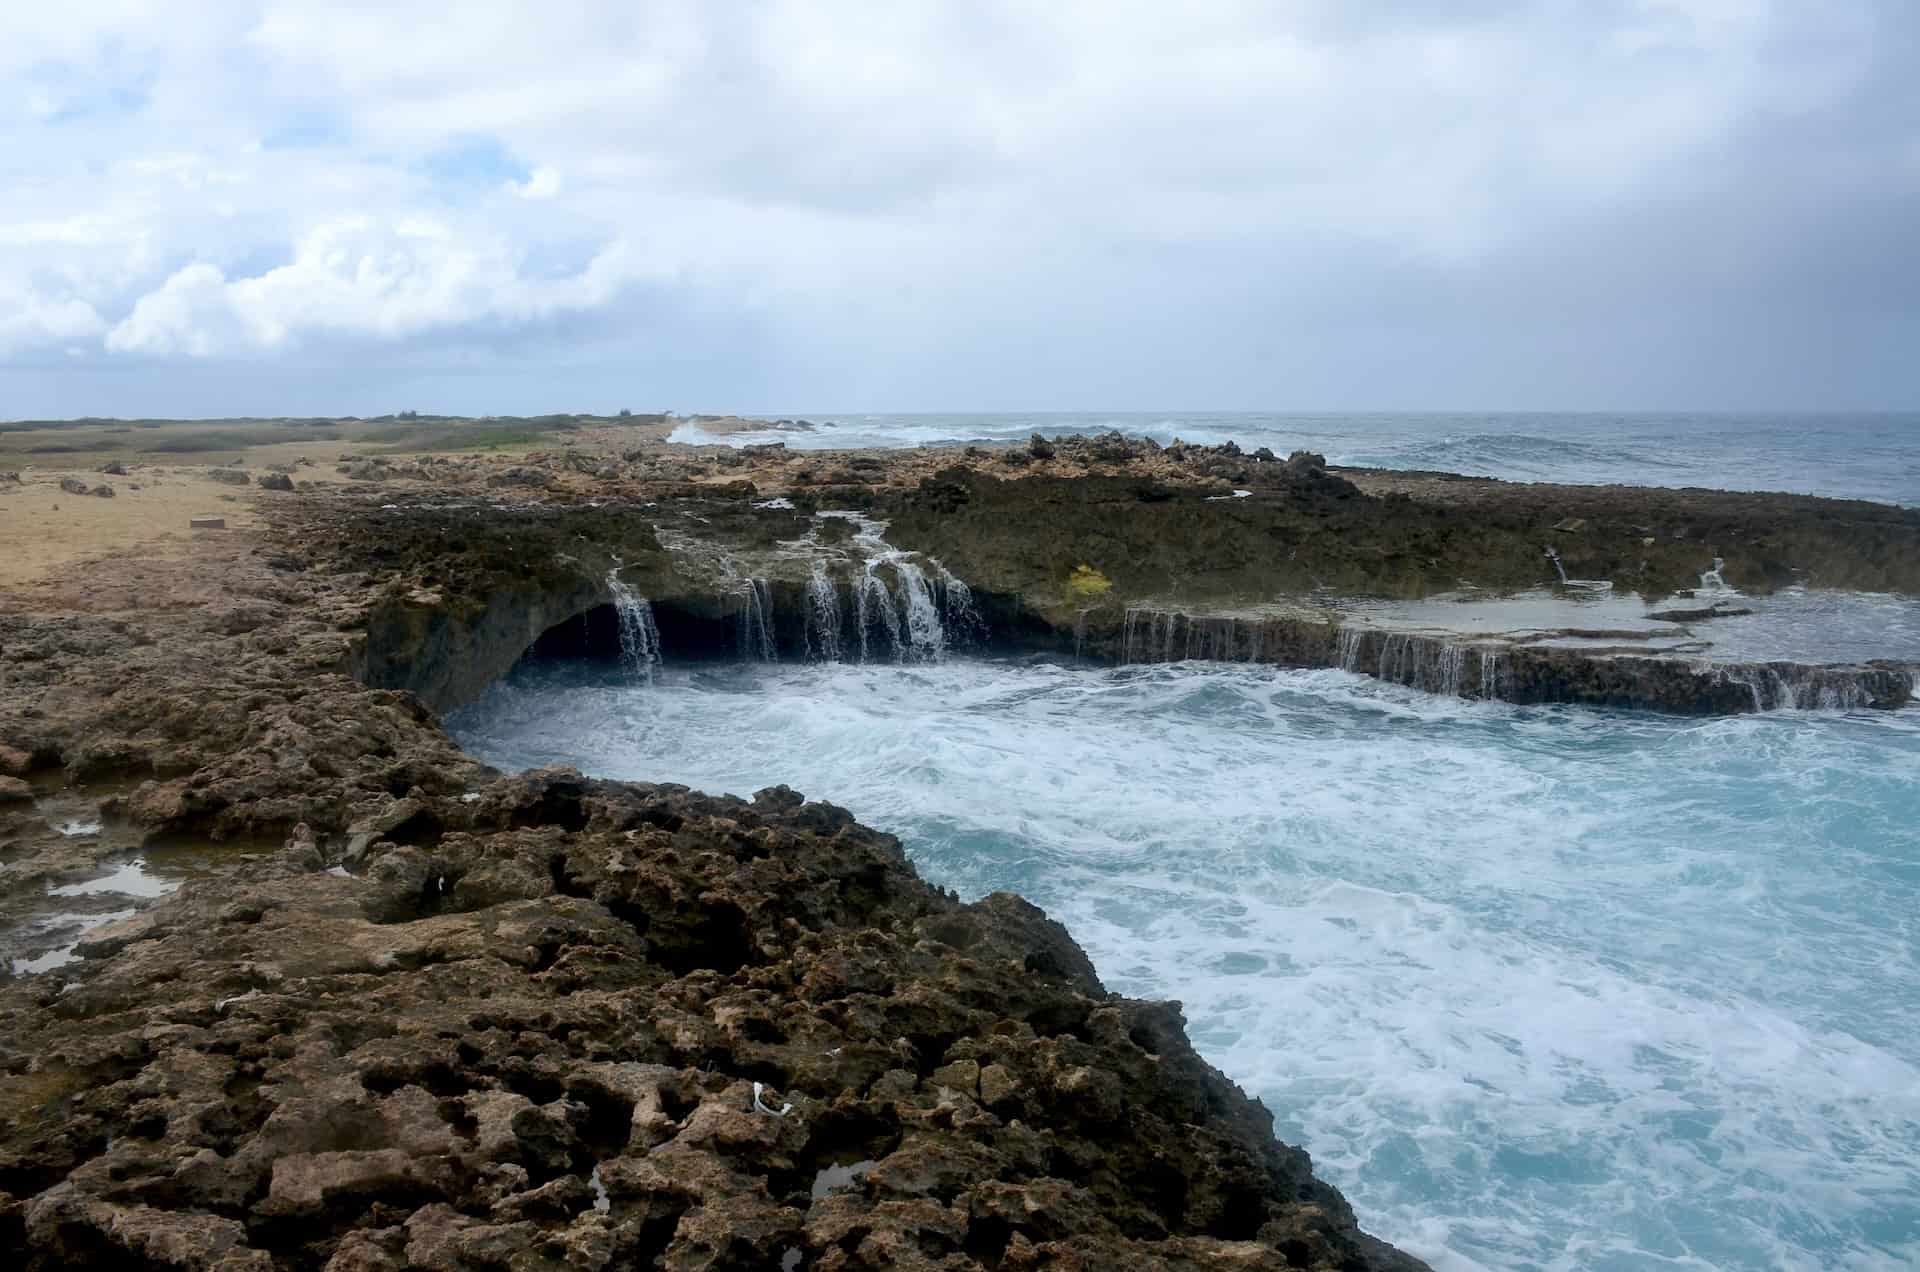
1087 584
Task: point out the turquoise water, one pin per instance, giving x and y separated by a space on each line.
1537 987
1819 453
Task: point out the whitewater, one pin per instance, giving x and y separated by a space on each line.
1539 988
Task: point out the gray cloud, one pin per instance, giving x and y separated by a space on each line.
302 206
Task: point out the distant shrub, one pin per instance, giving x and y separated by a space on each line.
213 440
470 434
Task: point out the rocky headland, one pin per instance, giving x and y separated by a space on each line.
407 1011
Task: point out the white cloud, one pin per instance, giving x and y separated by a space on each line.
359 277
30 320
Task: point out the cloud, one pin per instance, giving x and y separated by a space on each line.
29 320
360 278
1083 202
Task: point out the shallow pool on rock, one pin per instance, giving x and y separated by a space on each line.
1537 987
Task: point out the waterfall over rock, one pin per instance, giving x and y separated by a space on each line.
639 636
1492 668
823 616
1712 583
867 601
757 642
1792 687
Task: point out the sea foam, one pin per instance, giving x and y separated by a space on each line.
1538 988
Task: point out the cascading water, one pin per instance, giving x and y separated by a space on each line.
1791 688
756 622
873 607
823 616
965 626
1711 581
639 636
900 606
1553 555
1490 673
926 637
1348 648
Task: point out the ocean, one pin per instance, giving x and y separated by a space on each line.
1538 987
1844 456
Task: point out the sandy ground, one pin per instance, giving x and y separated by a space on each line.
45 531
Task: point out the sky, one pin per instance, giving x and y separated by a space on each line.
329 207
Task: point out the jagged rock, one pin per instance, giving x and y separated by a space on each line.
73 485
103 491
113 468
1039 447
276 481
14 790
229 476
1114 448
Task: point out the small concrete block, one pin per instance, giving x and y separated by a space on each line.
208 523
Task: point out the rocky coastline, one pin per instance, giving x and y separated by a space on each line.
417 1013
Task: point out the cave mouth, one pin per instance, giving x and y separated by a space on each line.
715 629
688 633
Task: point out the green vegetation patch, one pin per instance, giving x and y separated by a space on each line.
223 439
469 434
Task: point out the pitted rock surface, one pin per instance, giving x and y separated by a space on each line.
529 1037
